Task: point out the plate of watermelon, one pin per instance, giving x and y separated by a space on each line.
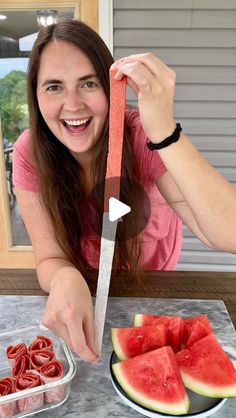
171 366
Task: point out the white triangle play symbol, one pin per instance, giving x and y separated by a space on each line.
117 209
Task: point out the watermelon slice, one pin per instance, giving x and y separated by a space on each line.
153 380
195 328
132 341
207 370
174 325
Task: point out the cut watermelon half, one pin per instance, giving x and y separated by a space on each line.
207 370
132 341
174 326
153 380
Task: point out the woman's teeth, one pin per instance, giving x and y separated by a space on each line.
76 122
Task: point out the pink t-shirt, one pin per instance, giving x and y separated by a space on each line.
162 237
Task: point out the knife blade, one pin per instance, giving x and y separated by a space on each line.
105 268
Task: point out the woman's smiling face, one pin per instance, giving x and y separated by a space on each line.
70 97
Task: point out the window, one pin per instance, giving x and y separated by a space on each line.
17 32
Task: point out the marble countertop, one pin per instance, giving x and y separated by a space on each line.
92 394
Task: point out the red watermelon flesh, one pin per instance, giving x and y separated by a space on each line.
132 341
174 325
190 334
199 331
207 370
154 381
175 333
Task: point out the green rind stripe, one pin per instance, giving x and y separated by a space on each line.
211 391
116 345
137 321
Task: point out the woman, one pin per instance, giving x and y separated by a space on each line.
62 157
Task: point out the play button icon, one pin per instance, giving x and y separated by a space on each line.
132 207
117 209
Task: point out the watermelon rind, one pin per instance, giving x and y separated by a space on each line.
116 344
207 390
138 320
158 406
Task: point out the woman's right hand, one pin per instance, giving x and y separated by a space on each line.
69 313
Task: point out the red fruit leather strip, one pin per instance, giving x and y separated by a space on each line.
29 403
21 365
7 409
40 357
116 131
14 352
50 372
40 343
6 386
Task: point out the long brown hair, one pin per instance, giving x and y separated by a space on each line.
56 166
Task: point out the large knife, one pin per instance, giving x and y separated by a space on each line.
112 189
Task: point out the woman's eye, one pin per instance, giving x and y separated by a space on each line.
54 88
91 85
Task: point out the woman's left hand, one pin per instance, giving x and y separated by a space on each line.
154 84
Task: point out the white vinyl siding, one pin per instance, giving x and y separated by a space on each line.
197 38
